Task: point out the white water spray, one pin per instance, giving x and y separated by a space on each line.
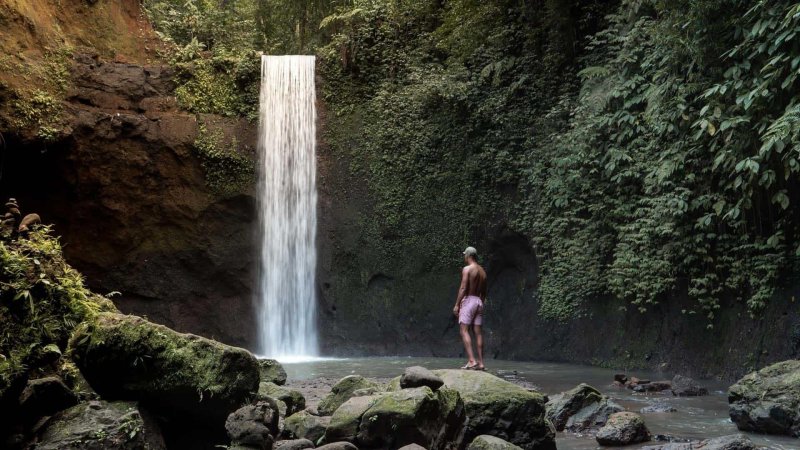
287 205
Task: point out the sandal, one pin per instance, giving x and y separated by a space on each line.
469 366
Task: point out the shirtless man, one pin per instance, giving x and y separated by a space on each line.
469 307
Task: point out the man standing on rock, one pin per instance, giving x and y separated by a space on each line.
469 307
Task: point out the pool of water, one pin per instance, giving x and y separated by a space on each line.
695 418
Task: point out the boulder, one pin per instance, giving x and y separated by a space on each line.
593 416
653 386
294 400
562 406
101 425
412 447
394 419
272 371
294 444
127 357
417 376
623 428
44 397
253 425
768 401
304 425
486 442
687 387
342 391
338 446
502 409
733 442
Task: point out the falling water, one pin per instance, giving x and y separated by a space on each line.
287 203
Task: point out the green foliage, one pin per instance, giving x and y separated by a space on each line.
227 172
39 110
42 300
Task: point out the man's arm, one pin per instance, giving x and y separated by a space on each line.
462 290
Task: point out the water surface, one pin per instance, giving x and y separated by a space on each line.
696 417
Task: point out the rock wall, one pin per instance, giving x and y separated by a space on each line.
126 190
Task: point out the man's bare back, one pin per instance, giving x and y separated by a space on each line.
475 278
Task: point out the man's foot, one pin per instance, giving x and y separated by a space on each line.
477 367
469 366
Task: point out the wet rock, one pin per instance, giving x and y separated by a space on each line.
394 419
253 425
101 425
499 408
338 446
687 387
342 391
593 416
768 401
294 400
623 428
44 397
304 425
417 376
562 406
620 378
412 447
733 442
653 386
658 408
486 442
295 444
272 371
173 373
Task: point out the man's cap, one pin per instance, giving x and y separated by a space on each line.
470 251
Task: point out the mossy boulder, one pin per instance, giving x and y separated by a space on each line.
486 442
501 409
768 401
420 416
623 428
128 358
272 371
304 425
342 391
592 416
101 425
562 406
293 400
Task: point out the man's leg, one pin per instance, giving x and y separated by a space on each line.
479 344
465 337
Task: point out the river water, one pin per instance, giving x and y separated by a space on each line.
695 418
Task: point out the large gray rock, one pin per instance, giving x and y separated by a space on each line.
272 371
593 416
127 357
486 442
304 425
733 442
562 406
101 425
417 376
623 428
768 401
501 409
342 391
253 425
394 419
687 387
338 446
294 400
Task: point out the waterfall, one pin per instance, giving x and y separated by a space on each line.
287 208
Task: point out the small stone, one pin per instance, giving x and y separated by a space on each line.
338 446
486 442
412 447
253 425
687 387
621 378
623 428
44 397
272 371
417 376
295 444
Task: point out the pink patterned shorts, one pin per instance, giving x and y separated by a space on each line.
471 312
